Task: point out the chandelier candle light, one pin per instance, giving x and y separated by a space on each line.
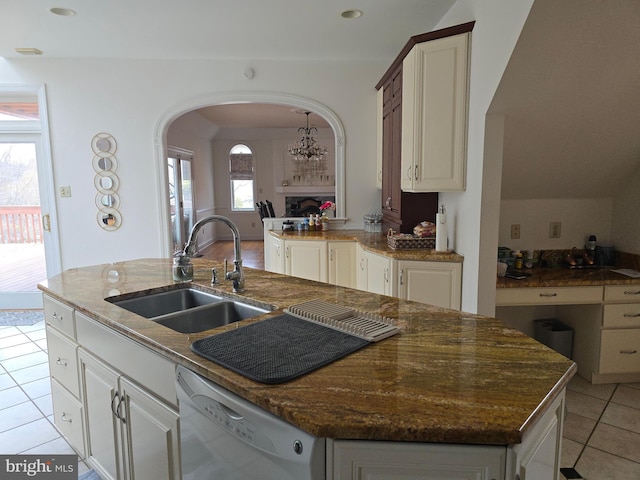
308 157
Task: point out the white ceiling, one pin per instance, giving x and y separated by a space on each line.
571 92
205 29
571 96
260 115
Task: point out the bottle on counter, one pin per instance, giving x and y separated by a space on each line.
312 223
518 262
324 221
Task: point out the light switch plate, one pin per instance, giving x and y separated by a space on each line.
515 231
555 229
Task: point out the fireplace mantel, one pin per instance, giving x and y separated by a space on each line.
307 189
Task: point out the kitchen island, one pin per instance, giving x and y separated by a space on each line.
448 377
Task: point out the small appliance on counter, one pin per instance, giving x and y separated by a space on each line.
288 226
605 255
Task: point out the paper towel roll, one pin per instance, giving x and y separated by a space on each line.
441 230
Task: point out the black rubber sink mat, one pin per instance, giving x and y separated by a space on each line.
277 349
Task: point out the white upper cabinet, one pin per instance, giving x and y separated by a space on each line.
434 115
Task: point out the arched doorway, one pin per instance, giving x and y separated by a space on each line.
302 103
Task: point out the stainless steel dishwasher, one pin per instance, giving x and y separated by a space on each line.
225 437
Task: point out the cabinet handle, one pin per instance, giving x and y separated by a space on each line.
113 400
416 174
120 416
628 352
409 172
631 315
286 252
55 316
632 292
388 202
331 255
401 276
386 275
548 294
64 418
361 264
61 362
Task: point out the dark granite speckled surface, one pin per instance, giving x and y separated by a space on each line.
447 377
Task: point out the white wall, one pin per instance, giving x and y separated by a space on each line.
475 212
579 218
626 217
272 164
128 98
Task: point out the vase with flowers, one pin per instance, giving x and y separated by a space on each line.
324 220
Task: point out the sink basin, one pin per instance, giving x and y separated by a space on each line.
210 316
188 310
161 303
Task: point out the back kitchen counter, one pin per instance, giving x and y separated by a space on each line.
447 377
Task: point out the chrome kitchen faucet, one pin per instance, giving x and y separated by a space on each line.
237 275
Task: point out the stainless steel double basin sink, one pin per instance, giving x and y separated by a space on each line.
188 310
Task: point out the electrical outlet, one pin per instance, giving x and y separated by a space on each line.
65 191
555 229
515 231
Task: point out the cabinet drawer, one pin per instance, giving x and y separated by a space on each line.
67 413
620 351
548 296
59 316
621 315
138 362
63 360
622 293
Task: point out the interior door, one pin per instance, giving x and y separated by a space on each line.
180 198
28 234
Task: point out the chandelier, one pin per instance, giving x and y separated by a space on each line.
308 157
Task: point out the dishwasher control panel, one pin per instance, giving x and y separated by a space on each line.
232 422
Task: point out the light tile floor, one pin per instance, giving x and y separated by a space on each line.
26 411
601 431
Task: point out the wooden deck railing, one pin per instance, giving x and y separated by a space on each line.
20 224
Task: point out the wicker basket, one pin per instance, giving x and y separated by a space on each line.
406 241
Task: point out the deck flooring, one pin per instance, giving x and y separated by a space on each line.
23 267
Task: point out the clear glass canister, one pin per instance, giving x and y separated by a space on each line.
182 269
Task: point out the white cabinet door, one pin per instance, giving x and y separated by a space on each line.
130 433
342 264
434 115
306 259
379 274
100 395
435 283
151 435
276 254
361 460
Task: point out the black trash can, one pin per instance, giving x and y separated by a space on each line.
555 335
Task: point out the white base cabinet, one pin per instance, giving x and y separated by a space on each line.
536 458
130 434
435 283
114 400
375 273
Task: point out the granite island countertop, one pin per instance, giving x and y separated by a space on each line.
448 376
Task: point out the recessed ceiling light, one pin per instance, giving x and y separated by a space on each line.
63 12
351 14
28 51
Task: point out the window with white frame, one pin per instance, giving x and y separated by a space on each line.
241 174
